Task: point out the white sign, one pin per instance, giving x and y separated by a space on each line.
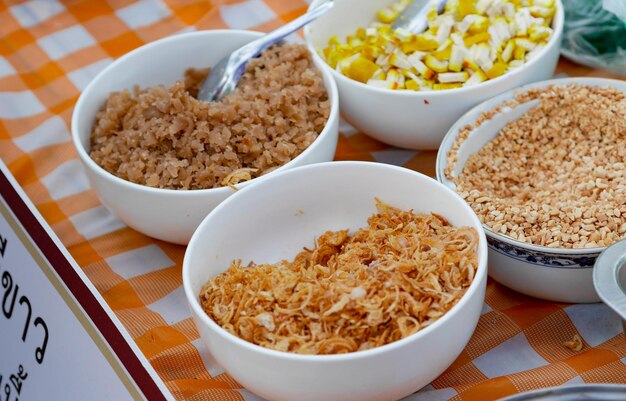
50 348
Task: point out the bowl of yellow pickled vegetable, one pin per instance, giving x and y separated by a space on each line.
407 89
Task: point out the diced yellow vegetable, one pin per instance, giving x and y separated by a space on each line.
386 15
385 30
527 44
432 14
443 55
457 38
451 6
457 55
537 33
447 43
541 12
330 55
434 64
371 52
420 67
361 69
403 35
382 84
344 63
411 84
443 32
393 75
507 53
519 53
476 78
399 59
450 77
334 41
479 25
497 70
383 61
354 41
478 38
381 41
380 75
469 63
466 7
428 73
419 43
438 87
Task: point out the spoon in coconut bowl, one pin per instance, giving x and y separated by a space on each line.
225 75
414 18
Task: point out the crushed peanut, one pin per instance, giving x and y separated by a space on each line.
352 292
575 344
556 176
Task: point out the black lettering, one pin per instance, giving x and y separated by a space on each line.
41 351
3 245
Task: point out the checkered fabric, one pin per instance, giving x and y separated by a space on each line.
50 50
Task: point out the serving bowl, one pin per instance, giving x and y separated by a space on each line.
556 274
609 278
272 220
167 214
409 119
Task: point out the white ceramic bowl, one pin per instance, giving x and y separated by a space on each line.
408 119
557 274
609 278
173 215
273 220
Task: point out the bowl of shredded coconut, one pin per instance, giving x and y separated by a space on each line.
341 280
543 168
160 159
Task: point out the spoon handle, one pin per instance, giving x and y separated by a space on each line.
226 73
414 17
255 47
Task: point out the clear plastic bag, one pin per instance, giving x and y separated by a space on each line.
617 7
595 33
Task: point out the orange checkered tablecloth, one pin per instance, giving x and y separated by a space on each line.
50 50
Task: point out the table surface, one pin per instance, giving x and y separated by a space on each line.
50 50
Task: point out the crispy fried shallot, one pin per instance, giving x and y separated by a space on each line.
351 292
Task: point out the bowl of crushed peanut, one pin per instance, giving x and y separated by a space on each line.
543 168
407 88
337 281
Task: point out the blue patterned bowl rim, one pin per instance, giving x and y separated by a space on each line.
515 246
540 258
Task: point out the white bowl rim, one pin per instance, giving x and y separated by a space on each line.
488 104
333 97
192 299
555 40
605 277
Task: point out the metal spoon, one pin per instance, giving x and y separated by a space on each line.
414 17
225 75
